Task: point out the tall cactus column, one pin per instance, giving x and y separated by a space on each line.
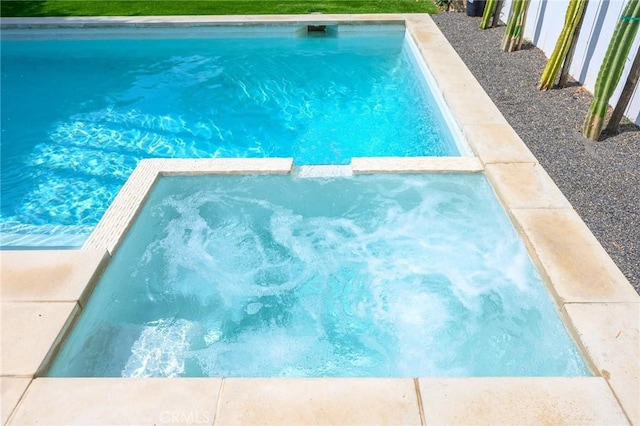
512 39
489 8
611 69
575 10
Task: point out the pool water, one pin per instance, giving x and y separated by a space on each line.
80 111
277 276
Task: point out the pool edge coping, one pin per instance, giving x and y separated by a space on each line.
528 194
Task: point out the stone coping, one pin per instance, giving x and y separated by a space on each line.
42 296
197 20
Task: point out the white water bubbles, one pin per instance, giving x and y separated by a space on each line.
385 275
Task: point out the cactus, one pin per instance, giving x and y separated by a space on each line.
625 96
496 13
512 39
611 69
564 74
488 13
572 18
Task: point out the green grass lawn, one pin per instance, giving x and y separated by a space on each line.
207 7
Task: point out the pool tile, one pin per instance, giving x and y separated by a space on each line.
117 401
421 22
189 20
525 185
471 105
318 401
457 83
554 226
446 67
433 45
571 258
50 275
415 164
374 17
12 390
297 18
222 166
321 171
497 143
609 333
120 214
451 79
466 98
29 331
519 401
428 38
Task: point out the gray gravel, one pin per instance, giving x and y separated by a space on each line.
600 179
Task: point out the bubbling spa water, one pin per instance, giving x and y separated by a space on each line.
386 275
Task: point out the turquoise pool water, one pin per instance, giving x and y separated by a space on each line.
81 107
379 275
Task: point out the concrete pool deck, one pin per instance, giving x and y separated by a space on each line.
44 291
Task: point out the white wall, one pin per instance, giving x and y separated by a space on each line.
545 19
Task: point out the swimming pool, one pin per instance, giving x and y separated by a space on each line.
356 276
556 237
114 96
